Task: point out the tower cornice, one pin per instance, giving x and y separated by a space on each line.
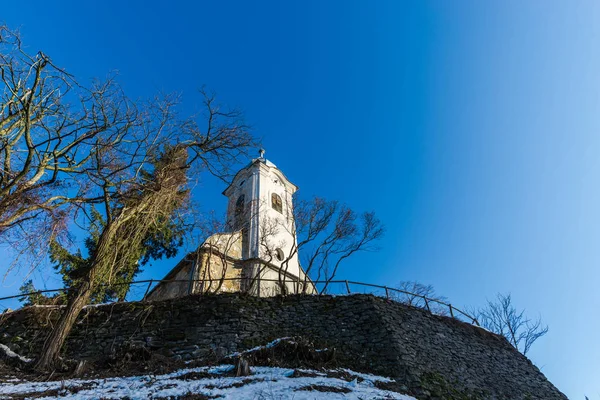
263 165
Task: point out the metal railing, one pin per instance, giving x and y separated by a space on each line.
434 306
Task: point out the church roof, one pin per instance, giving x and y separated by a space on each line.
254 161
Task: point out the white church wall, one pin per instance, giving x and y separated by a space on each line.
283 235
262 244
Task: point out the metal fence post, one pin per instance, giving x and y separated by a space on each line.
192 272
426 304
248 289
147 290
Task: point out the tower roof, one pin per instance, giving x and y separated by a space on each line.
259 161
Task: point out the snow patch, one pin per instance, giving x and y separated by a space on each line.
368 377
266 346
265 382
12 354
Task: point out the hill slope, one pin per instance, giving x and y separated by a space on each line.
431 356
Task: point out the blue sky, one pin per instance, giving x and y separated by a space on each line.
471 128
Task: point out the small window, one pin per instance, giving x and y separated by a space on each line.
279 254
276 203
242 182
239 205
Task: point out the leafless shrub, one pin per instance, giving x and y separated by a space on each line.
414 294
500 316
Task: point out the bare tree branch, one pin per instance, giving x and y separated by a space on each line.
501 317
415 294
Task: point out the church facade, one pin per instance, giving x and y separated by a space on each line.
258 255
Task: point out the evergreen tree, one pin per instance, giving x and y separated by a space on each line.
32 297
162 240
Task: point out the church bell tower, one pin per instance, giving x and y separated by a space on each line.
260 206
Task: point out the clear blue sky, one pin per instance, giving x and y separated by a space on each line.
471 127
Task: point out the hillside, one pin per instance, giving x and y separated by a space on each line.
426 356
213 382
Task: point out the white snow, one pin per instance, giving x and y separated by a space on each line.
266 346
57 306
12 354
264 383
368 377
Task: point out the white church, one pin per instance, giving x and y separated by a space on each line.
259 253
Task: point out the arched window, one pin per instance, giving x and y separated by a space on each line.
279 254
239 206
276 203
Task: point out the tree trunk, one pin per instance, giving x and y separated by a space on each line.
56 339
113 250
54 342
242 367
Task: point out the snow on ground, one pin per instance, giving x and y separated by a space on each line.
266 346
264 383
12 354
368 377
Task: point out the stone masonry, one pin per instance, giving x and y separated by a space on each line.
432 356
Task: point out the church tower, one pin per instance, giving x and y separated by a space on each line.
260 206
258 252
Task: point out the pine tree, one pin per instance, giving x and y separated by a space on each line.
162 240
142 216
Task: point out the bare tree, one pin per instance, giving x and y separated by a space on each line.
222 142
217 255
121 240
501 317
65 149
323 235
414 293
223 248
50 130
331 233
136 199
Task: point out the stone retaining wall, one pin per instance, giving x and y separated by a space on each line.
433 356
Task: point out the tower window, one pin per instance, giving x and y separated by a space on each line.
239 205
279 254
276 203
